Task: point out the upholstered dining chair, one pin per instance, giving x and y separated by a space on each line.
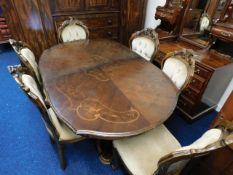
158 152
72 30
58 131
27 58
145 43
179 67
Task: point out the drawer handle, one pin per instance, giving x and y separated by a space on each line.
109 33
193 81
226 34
197 71
110 22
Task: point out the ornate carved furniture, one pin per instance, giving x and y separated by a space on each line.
158 152
58 131
4 30
212 64
179 67
71 30
37 26
109 94
145 43
170 16
27 58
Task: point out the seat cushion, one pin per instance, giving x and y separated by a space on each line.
72 33
28 55
141 153
65 133
144 47
176 70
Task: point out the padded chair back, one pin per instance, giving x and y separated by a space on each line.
179 67
27 58
72 30
145 43
211 140
29 86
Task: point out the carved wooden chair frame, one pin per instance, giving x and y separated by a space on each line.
147 33
16 72
166 161
185 56
18 46
68 22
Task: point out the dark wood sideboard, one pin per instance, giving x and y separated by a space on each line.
36 21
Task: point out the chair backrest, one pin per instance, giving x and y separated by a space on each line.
72 30
179 67
28 84
27 58
145 43
210 141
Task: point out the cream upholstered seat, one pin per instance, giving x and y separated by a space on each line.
64 132
27 58
145 43
72 30
58 130
179 67
142 154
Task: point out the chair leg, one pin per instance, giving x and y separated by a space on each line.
51 140
115 162
61 155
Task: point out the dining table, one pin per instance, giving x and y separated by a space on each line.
101 89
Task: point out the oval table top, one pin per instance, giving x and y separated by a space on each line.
101 89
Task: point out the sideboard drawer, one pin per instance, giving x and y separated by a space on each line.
111 32
197 82
202 72
222 32
92 20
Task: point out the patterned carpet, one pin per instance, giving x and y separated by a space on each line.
25 148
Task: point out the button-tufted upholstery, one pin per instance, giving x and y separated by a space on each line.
176 70
72 30
145 43
144 47
72 33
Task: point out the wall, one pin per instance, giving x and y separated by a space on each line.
150 13
225 95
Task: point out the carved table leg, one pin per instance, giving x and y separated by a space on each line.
104 149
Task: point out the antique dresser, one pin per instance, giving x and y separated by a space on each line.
36 21
214 68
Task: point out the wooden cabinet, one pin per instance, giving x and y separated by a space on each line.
4 30
38 20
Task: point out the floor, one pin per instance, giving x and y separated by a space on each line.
25 148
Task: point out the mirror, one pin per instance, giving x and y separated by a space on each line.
198 19
170 15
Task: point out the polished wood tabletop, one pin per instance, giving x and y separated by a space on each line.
101 89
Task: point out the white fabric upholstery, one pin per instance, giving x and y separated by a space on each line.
209 137
204 23
30 83
144 47
176 70
65 133
72 33
142 153
28 55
